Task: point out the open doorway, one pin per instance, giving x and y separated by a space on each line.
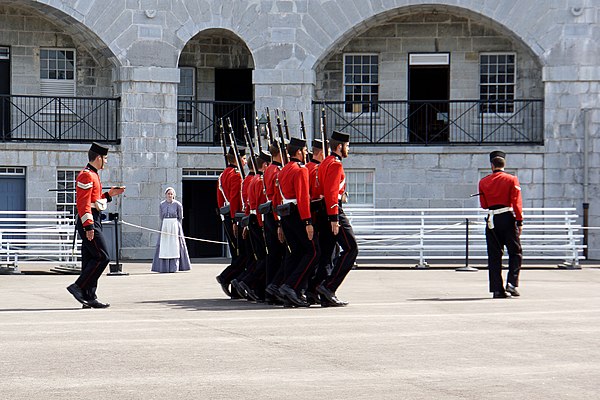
428 95
200 217
232 87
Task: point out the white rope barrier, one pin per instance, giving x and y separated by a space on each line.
164 233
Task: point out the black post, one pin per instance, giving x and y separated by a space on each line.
466 268
117 268
586 211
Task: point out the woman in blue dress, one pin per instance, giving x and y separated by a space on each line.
171 252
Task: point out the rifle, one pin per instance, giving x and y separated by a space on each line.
302 128
256 134
236 152
285 126
223 141
269 128
248 141
284 155
324 132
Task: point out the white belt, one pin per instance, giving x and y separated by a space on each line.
491 213
99 204
287 201
253 212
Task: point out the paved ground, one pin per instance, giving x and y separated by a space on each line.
407 334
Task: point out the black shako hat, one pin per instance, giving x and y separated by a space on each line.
317 144
242 151
340 136
497 153
265 156
297 142
99 149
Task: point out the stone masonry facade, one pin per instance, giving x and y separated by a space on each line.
133 49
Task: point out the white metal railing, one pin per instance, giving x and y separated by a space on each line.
441 233
37 237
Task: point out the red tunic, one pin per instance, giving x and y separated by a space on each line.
256 196
229 191
332 182
272 191
245 187
501 189
293 182
88 190
313 182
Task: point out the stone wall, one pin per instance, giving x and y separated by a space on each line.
294 48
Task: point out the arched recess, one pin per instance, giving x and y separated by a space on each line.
27 26
216 73
467 38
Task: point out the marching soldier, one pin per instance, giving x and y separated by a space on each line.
319 218
94 252
276 250
500 194
254 283
333 188
229 200
296 223
242 219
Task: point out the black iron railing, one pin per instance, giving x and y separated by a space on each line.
58 119
436 122
198 120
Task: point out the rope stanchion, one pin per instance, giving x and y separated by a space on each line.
164 233
466 268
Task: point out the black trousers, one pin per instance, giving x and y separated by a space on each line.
94 257
323 228
304 253
504 234
344 263
256 279
274 273
238 252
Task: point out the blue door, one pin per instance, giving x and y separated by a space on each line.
12 198
12 193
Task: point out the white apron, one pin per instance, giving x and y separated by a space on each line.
169 239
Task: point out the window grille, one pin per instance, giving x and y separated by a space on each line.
497 72
361 82
65 194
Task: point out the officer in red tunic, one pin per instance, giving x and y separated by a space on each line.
500 194
333 188
229 200
94 252
296 223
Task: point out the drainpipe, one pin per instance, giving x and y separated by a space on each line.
586 204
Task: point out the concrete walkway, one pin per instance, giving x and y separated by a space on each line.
407 334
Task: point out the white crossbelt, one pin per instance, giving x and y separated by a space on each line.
491 213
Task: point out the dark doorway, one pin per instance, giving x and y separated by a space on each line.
200 218
234 94
4 92
428 93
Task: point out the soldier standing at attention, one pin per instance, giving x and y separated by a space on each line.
296 223
333 188
500 194
94 252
